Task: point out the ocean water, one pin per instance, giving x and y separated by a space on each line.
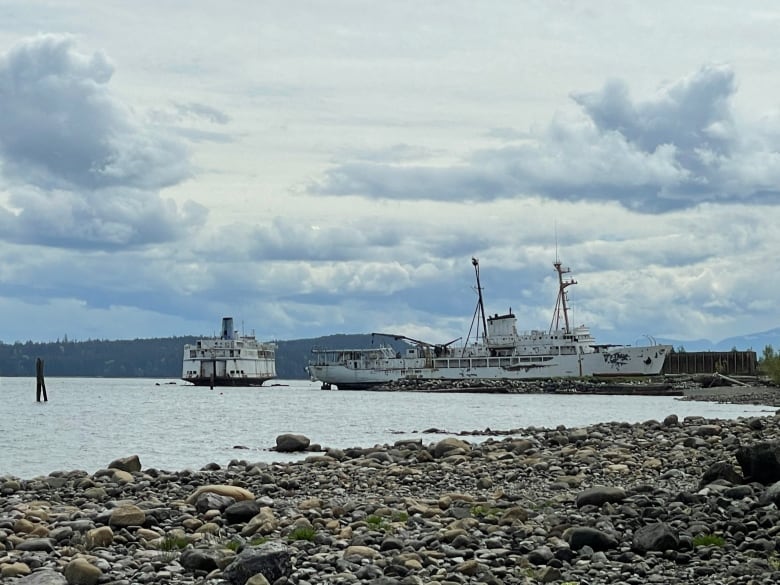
88 422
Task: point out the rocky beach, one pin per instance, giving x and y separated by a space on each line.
759 394
663 501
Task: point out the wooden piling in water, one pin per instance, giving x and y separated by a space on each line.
40 383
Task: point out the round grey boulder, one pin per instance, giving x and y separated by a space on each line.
291 443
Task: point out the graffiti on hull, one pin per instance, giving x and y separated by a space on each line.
616 359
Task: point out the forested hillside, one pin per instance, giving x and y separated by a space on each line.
150 358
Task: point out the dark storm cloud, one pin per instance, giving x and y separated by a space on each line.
673 150
80 168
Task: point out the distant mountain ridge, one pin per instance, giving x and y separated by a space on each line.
752 341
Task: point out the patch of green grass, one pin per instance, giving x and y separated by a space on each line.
235 543
774 561
170 546
537 506
526 572
400 517
302 533
480 511
382 523
172 543
708 540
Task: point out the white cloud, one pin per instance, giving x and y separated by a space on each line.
426 135
676 149
81 169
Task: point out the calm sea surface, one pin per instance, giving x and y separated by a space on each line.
170 425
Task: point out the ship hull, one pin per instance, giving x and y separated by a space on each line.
227 381
237 372
357 374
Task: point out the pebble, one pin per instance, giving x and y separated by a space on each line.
654 502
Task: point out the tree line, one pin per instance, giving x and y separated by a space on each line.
769 363
148 358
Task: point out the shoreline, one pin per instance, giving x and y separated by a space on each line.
766 395
658 501
685 387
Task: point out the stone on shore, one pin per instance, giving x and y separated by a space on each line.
240 512
450 446
657 536
760 462
127 515
81 572
596 496
129 464
291 443
720 470
581 536
17 569
44 577
36 545
272 560
100 537
772 495
200 559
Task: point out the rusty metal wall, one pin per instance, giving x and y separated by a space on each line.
734 363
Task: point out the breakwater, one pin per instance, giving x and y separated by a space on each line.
654 387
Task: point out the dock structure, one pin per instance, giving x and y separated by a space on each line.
730 363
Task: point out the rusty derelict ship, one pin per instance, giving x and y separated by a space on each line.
501 352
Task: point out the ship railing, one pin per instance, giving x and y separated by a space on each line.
534 333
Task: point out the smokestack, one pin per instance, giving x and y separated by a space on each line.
227 328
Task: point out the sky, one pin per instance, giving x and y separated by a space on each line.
311 168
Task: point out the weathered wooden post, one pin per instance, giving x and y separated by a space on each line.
40 386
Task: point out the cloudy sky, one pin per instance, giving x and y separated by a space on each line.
332 167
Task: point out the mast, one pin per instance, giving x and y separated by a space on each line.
479 311
561 303
480 304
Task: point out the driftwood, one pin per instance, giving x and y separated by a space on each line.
732 381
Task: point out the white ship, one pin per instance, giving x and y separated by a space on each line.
231 359
500 352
